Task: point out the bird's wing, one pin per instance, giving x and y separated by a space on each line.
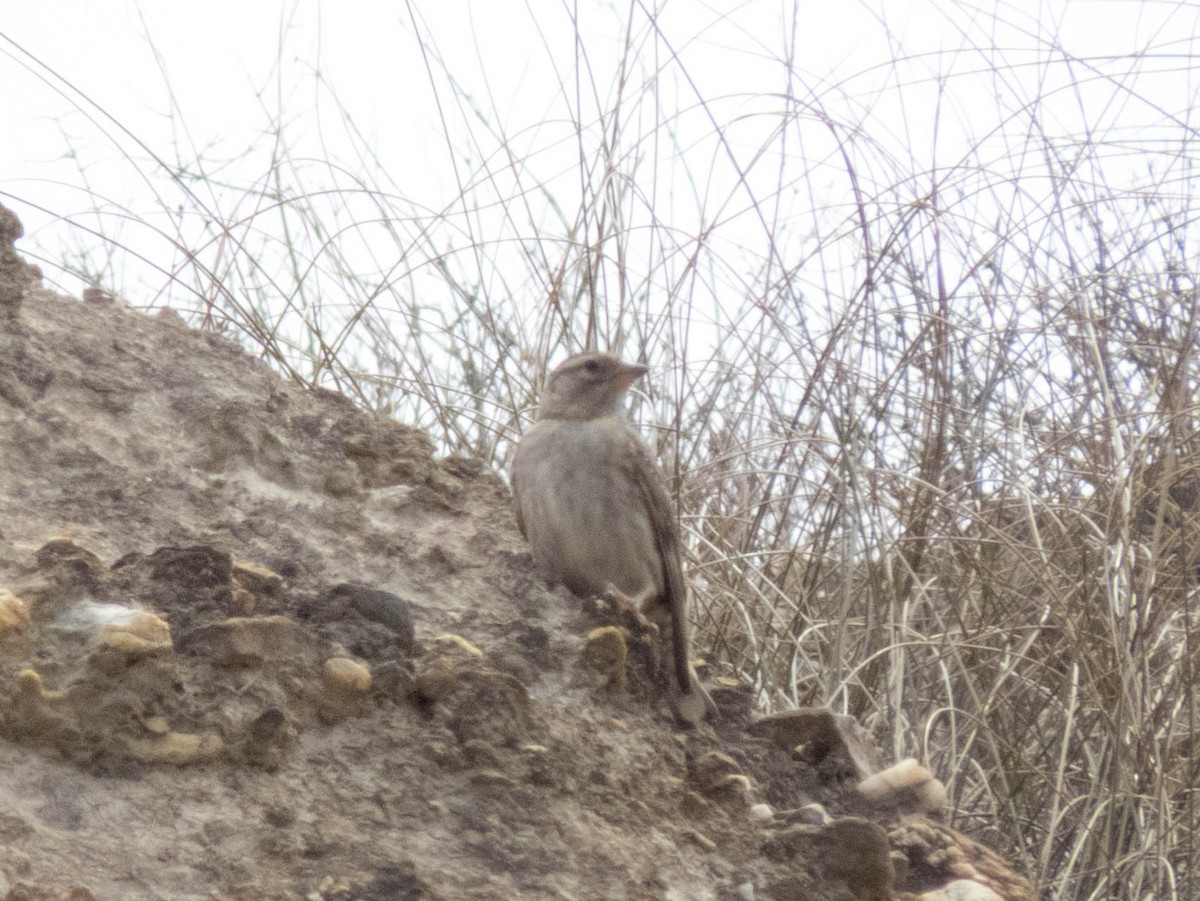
643 472
516 490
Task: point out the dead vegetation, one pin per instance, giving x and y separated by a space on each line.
932 430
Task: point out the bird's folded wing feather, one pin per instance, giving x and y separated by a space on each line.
643 471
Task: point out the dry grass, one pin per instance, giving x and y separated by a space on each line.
930 409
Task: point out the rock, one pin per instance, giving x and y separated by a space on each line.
189 582
378 606
906 785
346 676
280 815
735 787
249 641
436 680
226 436
345 684
856 852
735 701
14 614
41 715
24 891
533 643
71 567
30 686
718 776
175 748
134 633
850 850
156 725
605 654
342 480
196 567
475 701
15 273
491 778
391 679
268 739
250 583
256 579
387 453
699 839
542 791
97 296
961 890
833 742
791 888
939 854
242 602
712 769
811 814
761 812
458 645
481 754
784 844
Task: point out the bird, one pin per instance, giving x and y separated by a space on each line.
591 502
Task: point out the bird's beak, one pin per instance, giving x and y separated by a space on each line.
628 373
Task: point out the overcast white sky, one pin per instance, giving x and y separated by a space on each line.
207 80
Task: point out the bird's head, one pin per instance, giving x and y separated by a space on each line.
588 386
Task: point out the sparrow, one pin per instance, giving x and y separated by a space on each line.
592 504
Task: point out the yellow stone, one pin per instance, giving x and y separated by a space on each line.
29 683
14 613
344 674
905 781
452 641
137 633
176 748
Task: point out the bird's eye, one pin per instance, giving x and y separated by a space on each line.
592 366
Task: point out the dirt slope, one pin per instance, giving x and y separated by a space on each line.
201 567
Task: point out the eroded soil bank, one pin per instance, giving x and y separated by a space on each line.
255 643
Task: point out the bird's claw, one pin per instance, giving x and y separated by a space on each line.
624 611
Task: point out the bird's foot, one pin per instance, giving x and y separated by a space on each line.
623 610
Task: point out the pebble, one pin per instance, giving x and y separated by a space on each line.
961 890
905 781
457 642
136 633
344 674
761 812
14 613
178 748
699 839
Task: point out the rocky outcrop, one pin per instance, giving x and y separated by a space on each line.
257 643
